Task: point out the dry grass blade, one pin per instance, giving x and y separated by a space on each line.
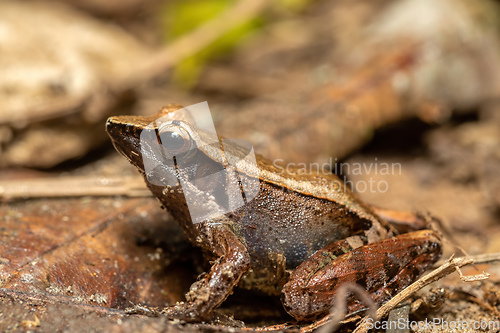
200 38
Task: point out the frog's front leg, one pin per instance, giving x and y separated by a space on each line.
382 268
213 288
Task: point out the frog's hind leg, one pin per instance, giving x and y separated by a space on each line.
214 287
383 269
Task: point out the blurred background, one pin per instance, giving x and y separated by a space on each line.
412 82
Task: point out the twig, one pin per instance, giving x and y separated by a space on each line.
472 278
132 186
485 258
445 269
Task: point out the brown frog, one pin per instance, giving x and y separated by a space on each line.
302 236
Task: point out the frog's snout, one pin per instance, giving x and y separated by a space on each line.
121 130
112 127
109 122
125 138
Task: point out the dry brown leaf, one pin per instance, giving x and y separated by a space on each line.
90 251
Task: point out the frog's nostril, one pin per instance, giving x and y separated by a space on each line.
109 123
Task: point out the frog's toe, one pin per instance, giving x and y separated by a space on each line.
142 310
182 311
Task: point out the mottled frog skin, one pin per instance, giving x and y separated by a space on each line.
302 236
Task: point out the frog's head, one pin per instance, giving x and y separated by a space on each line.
186 167
139 139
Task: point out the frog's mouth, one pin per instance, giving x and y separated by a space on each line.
125 136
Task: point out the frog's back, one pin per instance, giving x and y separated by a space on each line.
293 224
314 184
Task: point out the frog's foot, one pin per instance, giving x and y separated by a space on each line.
142 310
182 311
383 269
188 312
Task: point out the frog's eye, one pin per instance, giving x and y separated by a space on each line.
175 139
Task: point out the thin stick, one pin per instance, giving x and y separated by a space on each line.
486 258
132 186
